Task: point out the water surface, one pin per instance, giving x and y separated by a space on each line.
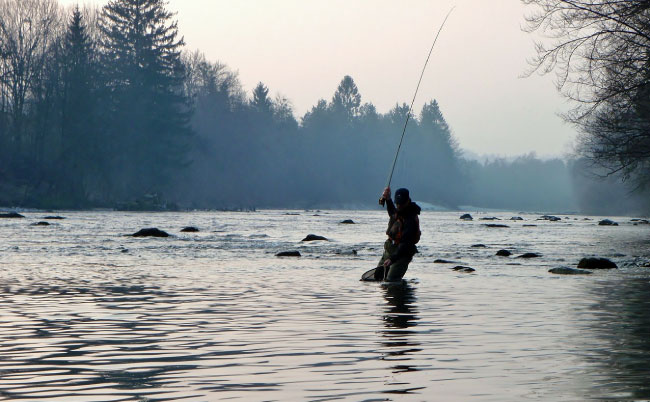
89 314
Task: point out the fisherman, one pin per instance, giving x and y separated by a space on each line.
403 234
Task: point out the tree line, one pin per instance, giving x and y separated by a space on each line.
105 108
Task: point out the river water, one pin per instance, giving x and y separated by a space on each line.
90 314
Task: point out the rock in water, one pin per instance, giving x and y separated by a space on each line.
348 222
549 218
444 262
41 224
54 218
312 237
190 229
346 252
479 246
607 222
504 253
461 268
516 218
496 225
11 215
466 217
529 255
568 271
641 221
490 218
596 263
150 232
288 254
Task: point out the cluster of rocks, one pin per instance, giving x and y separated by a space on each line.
506 253
155 232
549 218
16 215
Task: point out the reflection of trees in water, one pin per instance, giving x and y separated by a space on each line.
623 322
400 315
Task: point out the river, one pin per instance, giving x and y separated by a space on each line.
88 313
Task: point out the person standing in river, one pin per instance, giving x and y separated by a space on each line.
403 234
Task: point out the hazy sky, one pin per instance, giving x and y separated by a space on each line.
303 48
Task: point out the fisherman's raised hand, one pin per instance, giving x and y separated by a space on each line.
386 194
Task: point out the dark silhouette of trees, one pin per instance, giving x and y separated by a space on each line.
80 159
601 57
149 113
99 107
28 29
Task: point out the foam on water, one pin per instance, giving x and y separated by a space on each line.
90 314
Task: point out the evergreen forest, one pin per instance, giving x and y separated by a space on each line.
106 108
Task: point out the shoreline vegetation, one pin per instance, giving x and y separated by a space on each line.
96 118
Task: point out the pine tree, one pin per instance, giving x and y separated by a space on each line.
261 102
346 99
142 62
80 137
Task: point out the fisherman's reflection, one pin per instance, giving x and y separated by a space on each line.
400 315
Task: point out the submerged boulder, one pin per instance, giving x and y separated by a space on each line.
189 229
504 253
42 223
607 222
288 254
464 269
11 215
490 218
550 218
439 261
569 271
596 263
466 217
346 252
150 232
313 237
58 218
516 218
479 246
496 225
529 255
347 222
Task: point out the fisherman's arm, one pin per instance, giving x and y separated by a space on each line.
390 207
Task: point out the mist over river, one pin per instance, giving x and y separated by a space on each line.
90 314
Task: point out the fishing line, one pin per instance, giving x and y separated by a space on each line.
408 116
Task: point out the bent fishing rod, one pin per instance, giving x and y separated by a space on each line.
408 116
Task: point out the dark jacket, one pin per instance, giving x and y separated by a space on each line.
403 229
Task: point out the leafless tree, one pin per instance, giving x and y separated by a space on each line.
600 51
27 29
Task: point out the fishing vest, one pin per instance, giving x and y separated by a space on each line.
396 229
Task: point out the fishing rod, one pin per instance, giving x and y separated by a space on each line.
408 116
